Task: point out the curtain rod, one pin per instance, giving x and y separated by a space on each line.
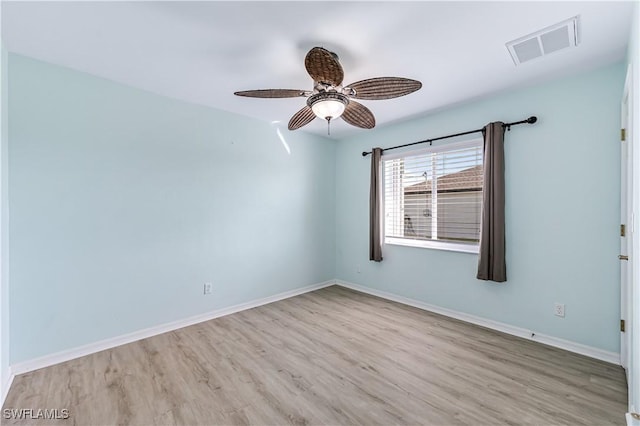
529 120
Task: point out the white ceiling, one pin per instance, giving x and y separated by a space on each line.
202 52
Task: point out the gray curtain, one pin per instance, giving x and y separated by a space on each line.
491 260
375 245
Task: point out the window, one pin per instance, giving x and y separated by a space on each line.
433 197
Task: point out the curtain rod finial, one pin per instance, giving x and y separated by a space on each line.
365 153
532 119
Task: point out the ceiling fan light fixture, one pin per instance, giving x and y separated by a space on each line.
331 99
328 105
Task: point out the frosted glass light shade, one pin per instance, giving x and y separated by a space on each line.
328 105
329 108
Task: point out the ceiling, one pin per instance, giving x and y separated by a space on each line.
202 52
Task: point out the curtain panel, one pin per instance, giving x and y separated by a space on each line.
491 259
375 243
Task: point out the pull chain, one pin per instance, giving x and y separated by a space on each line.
329 126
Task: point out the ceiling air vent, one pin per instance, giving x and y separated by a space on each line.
551 39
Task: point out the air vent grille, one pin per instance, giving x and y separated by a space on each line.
548 40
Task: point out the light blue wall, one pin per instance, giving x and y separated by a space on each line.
4 221
562 212
124 203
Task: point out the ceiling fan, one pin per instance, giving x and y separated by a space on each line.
329 99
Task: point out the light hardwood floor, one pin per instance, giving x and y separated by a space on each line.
333 356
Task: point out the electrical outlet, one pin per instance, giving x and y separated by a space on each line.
358 268
207 288
558 309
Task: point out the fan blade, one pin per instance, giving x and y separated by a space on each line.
301 118
358 115
271 93
323 67
384 87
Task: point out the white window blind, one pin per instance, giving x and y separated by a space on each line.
434 196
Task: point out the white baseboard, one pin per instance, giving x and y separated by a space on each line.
611 357
631 421
6 386
67 355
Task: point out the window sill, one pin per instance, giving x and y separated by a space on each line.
437 245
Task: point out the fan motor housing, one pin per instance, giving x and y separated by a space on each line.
325 96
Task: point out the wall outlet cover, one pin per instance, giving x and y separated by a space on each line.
207 288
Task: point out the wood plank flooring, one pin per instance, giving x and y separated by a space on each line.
333 356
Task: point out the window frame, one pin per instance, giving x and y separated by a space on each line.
472 248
